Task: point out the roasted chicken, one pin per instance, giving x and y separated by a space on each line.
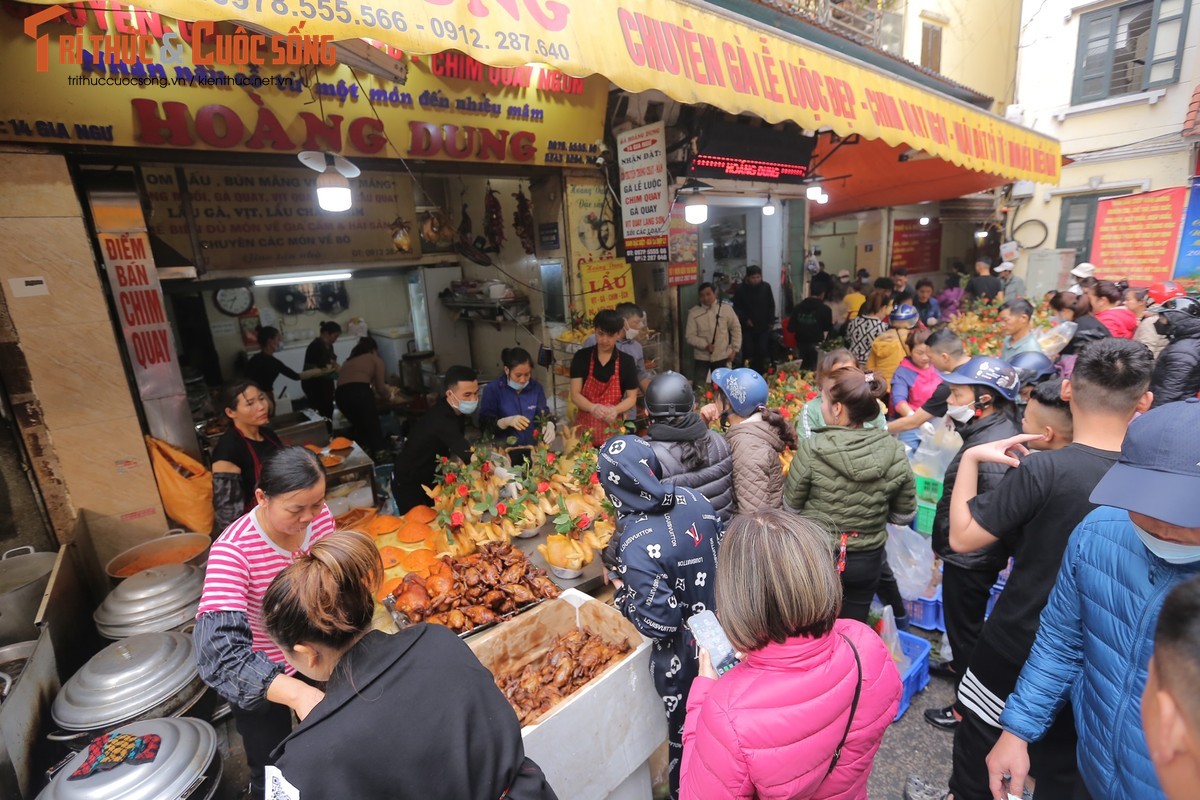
572 660
469 591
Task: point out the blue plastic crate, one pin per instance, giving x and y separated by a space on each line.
926 612
916 677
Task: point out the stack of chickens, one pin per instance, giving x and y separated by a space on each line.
573 660
465 593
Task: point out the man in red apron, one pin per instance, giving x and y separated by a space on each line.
604 380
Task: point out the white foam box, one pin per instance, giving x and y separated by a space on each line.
594 745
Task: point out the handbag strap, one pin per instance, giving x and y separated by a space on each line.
716 323
837 754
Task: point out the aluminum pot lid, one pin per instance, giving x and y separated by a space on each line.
156 599
124 680
17 571
149 760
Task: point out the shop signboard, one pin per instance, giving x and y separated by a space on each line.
683 265
645 192
250 218
1187 265
1137 236
916 247
591 217
138 298
171 85
691 53
604 283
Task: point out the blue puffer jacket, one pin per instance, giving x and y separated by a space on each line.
1093 647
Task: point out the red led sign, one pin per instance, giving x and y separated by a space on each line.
747 152
749 168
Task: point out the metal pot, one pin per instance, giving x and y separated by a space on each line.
24 575
176 546
158 599
148 676
186 766
12 663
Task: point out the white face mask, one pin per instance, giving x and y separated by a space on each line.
630 333
961 414
1171 552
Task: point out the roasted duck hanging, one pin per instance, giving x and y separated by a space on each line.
523 221
493 219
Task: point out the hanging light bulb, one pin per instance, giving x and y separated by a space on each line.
769 209
924 220
333 191
823 199
814 192
695 210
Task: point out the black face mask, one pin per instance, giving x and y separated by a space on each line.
1161 326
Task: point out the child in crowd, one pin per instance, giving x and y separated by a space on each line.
857 478
756 436
1046 413
890 348
915 381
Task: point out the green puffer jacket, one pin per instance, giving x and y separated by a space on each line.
857 477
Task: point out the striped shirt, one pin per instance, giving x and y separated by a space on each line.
241 565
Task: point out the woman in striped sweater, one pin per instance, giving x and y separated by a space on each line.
234 653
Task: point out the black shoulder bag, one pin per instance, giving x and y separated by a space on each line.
837 754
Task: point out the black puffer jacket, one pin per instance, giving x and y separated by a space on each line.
714 481
1177 371
994 556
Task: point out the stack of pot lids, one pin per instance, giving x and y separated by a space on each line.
158 599
154 759
126 680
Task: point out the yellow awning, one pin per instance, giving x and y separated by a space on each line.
691 52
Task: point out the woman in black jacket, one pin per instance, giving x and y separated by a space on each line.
1177 371
689 453
410 715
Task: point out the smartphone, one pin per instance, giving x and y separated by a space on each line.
708 633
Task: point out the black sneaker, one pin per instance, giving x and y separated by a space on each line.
942 718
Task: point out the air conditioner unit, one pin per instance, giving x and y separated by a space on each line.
1015 114
1021 190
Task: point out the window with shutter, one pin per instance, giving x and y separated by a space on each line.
931 46
1129 48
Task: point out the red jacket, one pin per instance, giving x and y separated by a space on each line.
769 727
1119 320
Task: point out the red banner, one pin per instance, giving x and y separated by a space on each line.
683 266
1137 236
916 247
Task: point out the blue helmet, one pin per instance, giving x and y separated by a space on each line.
1032 368
990 372
904 313
745 388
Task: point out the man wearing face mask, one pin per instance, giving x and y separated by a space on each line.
438 434
1098 628
1032 513
1177 373
982 396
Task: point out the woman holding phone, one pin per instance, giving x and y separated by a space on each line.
805 712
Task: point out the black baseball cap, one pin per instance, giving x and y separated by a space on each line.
1158 473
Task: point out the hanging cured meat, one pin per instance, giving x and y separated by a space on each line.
493 219
523 221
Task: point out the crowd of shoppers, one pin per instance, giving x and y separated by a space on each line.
1075 474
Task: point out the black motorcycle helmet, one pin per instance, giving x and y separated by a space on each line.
1179 305
669 395
1032 368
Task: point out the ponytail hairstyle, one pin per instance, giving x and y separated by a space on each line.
513 357
326 596
786 430
365 345
859 392
1113 292
264 334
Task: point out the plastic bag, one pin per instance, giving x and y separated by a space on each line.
939 444
1054 340
911 560
945 654
184 485
885 626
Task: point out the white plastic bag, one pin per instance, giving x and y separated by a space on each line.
1053 340
911 560
886 628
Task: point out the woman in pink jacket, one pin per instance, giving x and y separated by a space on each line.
803 715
